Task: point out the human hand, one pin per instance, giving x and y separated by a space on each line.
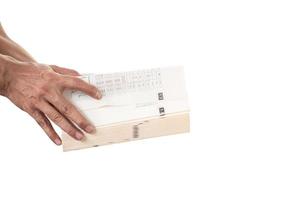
38 90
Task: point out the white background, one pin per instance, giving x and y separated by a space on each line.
242 69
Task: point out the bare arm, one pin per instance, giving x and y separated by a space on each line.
10 48
38 90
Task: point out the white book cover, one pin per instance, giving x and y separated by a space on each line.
133 96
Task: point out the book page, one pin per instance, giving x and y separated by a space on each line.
133 95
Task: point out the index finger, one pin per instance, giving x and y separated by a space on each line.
75 83
70 112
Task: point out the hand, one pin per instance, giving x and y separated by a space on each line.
38 90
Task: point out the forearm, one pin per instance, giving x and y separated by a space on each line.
10 48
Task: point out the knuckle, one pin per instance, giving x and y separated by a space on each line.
56 117
46 75
32 94
55 99
43 90
33 100
35 114
49 76
27 106
67 109
71 132
78 81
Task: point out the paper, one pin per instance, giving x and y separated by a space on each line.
133 95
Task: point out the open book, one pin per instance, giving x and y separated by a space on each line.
134 105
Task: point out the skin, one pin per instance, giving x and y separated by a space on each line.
38 90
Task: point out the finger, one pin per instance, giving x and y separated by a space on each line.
60 120
45 124
70 112
64 71
79 84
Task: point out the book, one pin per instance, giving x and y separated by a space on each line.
134 105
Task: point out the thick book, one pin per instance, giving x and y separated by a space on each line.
134 105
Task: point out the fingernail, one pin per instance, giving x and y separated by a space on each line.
57 141
98 95
78 135
90 129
